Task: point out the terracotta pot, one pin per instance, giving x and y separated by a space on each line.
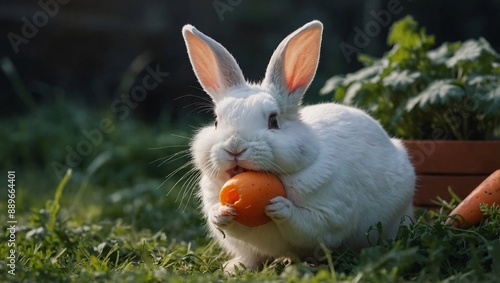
461 165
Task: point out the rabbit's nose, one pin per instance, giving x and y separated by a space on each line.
235 153
235 147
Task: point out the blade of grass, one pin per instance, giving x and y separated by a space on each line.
55 204
97 163
329 259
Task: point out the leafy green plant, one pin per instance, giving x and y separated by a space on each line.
450 92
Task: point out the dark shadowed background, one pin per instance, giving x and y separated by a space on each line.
83 49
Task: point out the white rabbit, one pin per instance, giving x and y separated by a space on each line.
341 171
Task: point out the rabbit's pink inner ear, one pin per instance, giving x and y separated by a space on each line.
203 61
301 58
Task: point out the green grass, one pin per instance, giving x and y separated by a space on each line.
113 220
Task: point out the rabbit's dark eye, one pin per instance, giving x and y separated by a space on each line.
272 121
215 124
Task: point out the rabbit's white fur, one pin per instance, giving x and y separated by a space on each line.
341 171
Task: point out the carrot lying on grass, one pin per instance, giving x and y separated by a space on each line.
468 213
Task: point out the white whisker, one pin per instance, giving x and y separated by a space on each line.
275 168
174 157
202 108
171 146
172 174
204 98
182 137
206 105
189 188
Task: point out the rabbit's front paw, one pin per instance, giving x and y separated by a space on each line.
222 215
280 209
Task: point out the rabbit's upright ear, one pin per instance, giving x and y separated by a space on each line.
214 66
294 63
